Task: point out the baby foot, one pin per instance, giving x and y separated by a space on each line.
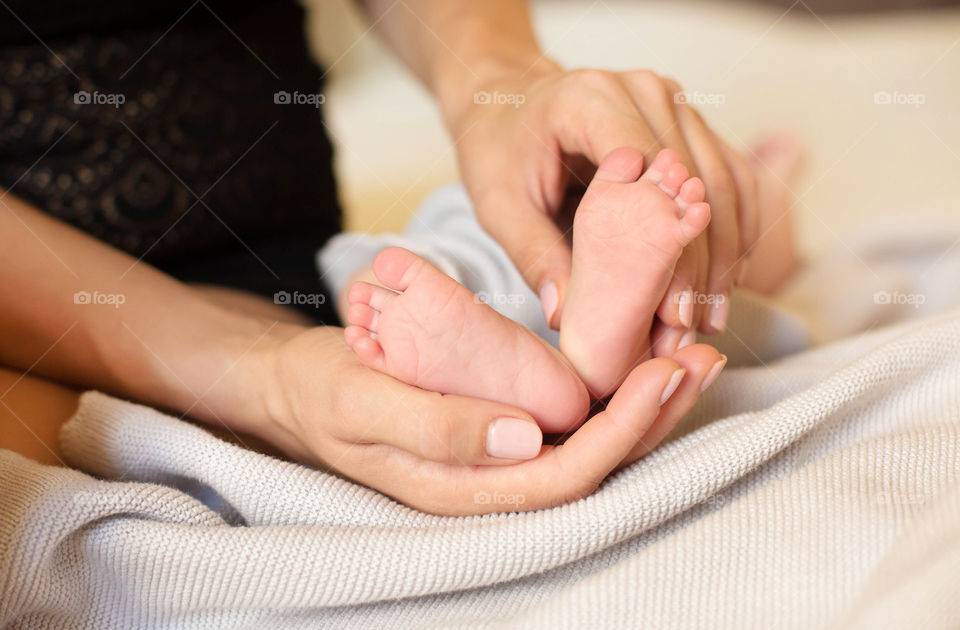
428 330
628 234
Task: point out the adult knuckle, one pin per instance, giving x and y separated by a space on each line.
598 80
643 77
662 92
654 86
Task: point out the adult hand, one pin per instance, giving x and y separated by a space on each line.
526 143
428 450
328 408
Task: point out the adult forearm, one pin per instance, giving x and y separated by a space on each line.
456 46
78 311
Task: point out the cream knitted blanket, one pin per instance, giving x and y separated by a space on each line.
814 486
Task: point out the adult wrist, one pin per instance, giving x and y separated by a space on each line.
292 366
459 89
246 393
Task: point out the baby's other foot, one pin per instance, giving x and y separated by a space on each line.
428 330
628 234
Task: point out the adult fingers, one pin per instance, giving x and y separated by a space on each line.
666 340
655 98
594 114
559 475
535 244
575 469
723 234
677 307
454 430
748 206
703 365
700 306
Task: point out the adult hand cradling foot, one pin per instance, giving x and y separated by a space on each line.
428 396
431 451
529 133
522 163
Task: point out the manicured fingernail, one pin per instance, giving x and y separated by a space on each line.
713 373
685 309
549 300
719 312
672 385
689 338
513 438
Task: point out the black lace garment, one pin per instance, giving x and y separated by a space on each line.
155 127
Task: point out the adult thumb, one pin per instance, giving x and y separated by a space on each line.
538 248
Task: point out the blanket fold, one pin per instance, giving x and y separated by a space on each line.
814 488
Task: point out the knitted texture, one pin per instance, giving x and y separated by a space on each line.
815 485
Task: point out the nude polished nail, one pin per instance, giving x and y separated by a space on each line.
513 438
713 373
549 300
672 385
719 312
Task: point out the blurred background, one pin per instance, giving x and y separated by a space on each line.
874 93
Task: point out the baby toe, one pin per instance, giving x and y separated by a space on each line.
691 191
622 165
661 165
365 346
363 315
673 179
369 294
